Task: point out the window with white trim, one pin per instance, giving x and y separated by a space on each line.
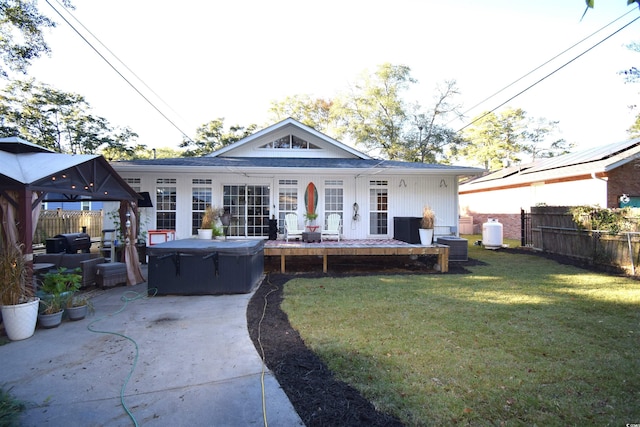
290 142
166 197
134 183
378 208
287 199
333 199
201 197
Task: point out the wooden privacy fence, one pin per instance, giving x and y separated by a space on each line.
52 223
553 230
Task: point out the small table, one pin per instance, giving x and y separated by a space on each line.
310 236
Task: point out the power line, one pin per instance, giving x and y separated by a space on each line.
543 64
551 73
116 70
116 57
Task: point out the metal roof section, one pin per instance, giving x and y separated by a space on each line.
586 162
292 124
590 155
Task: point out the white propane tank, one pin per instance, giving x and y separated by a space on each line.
492 234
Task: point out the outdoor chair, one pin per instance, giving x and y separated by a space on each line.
291 226
333 227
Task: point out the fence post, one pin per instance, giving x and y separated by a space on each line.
522 230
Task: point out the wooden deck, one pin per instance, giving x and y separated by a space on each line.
351 248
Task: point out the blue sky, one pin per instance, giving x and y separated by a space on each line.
231 59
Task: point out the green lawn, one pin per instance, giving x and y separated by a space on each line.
519 341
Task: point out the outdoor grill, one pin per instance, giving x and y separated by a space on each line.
74 242
205 267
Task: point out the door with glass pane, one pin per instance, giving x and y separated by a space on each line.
249 209
378 214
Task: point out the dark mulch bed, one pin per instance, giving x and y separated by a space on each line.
317 396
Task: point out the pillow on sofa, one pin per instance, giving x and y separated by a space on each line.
55 259
72 261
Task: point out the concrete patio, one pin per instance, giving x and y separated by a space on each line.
190 361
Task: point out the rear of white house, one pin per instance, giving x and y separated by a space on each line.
265 176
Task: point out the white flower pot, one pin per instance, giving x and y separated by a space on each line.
205 233
20 320
426 236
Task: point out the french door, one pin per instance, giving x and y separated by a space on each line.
249 209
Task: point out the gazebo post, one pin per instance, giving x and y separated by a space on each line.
25 228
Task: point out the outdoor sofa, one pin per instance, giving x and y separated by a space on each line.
87 262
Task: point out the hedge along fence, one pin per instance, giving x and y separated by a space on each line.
555 230
54 222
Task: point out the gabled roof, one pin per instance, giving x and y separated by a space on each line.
341 158
293 125
597 160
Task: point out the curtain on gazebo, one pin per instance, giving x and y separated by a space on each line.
129 226
9 217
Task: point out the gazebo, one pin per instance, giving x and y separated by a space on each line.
30 172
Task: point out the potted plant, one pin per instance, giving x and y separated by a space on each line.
209 218
78 307
19 305
426 225
57 292
310 220
51 310
216 232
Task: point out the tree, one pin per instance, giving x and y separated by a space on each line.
373 114
212 136
317 113
163 153
537 135
634 130
57 120
495 139
432 135
21 38
591 5
120 150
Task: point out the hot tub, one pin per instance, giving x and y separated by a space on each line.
205 267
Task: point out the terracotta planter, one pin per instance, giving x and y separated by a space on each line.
20 320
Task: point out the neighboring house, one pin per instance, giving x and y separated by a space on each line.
265 176
607 176
84 205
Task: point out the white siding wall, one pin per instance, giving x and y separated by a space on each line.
509 201
407 196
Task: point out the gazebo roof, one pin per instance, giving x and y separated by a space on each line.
63 176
